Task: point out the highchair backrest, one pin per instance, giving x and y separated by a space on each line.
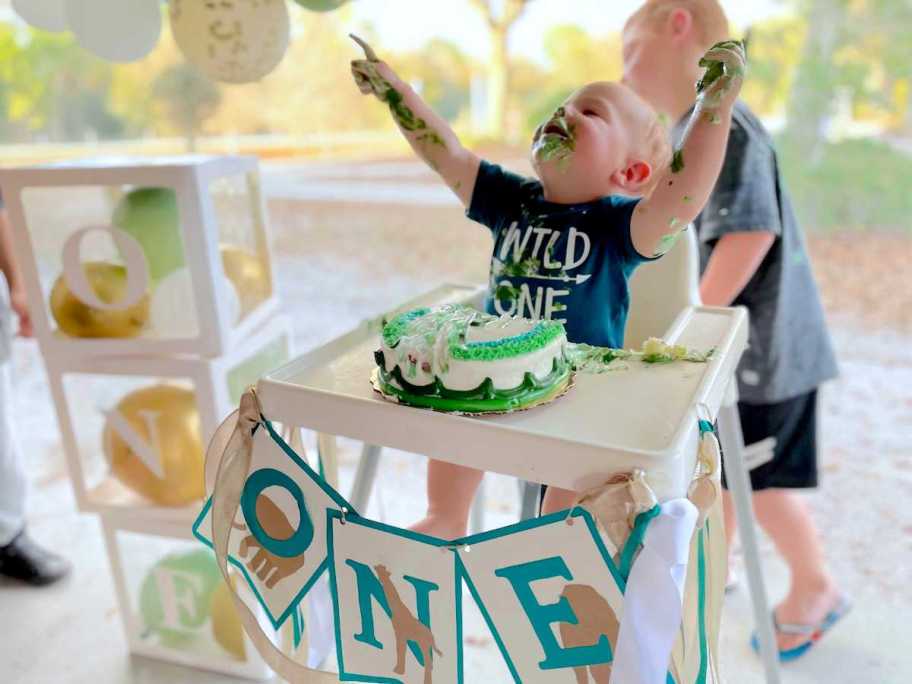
660 290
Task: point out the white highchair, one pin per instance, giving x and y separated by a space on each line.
659 291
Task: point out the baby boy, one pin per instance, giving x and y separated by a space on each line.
609 195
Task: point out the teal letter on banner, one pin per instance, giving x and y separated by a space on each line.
369 587
541 617
298 542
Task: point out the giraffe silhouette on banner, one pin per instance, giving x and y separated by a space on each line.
407 628
595 618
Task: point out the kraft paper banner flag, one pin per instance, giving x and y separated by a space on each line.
278 538
552 595
397 601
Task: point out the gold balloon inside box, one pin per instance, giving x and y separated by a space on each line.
135 429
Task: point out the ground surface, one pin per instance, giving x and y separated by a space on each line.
345 261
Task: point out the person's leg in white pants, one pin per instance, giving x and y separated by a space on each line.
20 558
12 472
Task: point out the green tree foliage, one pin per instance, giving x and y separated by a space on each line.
444 75
575 58
49 85
773 49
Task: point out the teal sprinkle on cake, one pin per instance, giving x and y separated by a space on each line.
538 337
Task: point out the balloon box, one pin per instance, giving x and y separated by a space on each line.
175 604
142 257
135 430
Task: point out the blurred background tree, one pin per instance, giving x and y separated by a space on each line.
500 16
188 98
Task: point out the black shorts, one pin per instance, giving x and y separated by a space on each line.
793 423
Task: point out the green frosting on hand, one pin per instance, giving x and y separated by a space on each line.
677 161
716 68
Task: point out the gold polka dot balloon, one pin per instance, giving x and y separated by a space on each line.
233 41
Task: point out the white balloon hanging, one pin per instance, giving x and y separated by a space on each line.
47 15
237 42
116 30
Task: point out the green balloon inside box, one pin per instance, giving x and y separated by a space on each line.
187 581
149 215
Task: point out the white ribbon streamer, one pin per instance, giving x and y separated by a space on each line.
654 596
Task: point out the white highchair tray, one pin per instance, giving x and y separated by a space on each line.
641 417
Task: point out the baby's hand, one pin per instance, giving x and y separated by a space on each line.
725 64
371 75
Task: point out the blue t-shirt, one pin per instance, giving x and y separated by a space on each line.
566 262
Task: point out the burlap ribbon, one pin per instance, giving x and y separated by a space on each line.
616 504
233 469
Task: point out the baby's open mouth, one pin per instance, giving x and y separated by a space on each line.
556 128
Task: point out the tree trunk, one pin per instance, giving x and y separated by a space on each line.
498 82
812 96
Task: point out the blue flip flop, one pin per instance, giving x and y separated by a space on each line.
813 632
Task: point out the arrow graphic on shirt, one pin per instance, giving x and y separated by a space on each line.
500 269
564 278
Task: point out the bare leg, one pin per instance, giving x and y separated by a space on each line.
557 499
813 593
450 491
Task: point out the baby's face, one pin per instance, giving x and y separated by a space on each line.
589 138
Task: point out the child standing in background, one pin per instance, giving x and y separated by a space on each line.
753 255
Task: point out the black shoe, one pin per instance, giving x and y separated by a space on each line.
24 560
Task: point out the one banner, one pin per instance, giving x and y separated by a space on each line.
397 602
563 602
278 538
551 591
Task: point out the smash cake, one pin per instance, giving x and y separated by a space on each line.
454 358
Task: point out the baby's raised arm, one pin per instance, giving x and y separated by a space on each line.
429 135
684 188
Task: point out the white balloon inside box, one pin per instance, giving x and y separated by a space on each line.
169 314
